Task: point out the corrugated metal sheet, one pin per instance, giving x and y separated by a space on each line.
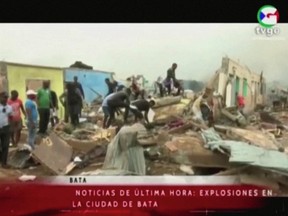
92 81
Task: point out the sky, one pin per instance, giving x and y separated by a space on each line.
147 49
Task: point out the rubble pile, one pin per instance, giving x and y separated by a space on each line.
251 145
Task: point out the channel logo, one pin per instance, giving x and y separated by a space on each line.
268 16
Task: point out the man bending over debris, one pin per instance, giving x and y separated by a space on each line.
143 105
112 103
201 108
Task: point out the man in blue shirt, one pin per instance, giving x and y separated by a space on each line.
32 117
6 113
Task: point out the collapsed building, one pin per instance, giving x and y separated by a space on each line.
232 77
174 144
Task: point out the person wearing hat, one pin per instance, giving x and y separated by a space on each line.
32 117
6 113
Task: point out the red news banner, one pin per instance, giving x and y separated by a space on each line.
94 194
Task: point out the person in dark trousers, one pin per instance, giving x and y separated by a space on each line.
171 79
116 101
143 105
5 119
44 103
111 86
74 103
54 109
79 86
16 122
63 101
159 85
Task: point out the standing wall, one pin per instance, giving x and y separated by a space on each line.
91 80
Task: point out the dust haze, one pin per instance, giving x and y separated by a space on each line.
147 49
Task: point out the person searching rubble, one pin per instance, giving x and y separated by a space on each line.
240 103
159 84
142 105
136 88
171 80
6 113
32 117
202 108
16 121
112 85
114 102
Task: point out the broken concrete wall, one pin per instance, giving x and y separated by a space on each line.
254 92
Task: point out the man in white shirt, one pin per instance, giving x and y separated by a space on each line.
6 112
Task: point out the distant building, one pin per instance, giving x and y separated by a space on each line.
233 77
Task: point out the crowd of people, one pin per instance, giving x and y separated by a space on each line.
41 107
